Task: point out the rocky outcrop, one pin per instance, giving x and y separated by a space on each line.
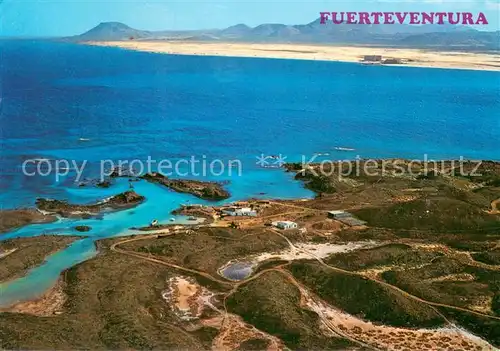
83 228
124 200
103 184
212 191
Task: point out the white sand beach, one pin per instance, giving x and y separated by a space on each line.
412 57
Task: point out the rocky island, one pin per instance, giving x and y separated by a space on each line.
121 201
212 191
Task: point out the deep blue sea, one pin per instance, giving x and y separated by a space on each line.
75 102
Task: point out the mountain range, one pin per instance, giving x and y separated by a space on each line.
436 36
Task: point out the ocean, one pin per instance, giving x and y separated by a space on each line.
86 104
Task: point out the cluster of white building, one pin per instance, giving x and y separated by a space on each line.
239 211
249 212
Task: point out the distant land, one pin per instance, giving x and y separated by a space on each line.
447 37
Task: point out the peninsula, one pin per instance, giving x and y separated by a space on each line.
319 52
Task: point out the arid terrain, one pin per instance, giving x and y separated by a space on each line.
414 265
412 57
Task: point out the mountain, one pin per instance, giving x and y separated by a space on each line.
464 39
443 36
315 32
113 31
236 31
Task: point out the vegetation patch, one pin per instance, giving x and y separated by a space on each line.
434 214
272 304
427 282
387 255
253 345
467 245
365 298
489 257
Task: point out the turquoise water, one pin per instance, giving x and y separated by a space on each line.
43 277
131 105
159 205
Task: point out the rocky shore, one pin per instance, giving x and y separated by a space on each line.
211 191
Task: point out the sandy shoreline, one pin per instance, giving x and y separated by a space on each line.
419 58
49 303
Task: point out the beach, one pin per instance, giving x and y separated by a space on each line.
413 57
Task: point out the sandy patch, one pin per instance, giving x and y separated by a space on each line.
482 304
7 252
375 273
301 251
405 198
49 304
420 58
187 298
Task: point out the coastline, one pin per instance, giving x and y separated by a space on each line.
31 252
264 255
49 303
353 54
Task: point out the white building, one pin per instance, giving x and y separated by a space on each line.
243 211
285 225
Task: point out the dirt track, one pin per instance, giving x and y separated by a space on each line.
227 318
149 258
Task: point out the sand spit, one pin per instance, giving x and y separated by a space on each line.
415 57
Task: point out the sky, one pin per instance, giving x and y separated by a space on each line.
71 17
